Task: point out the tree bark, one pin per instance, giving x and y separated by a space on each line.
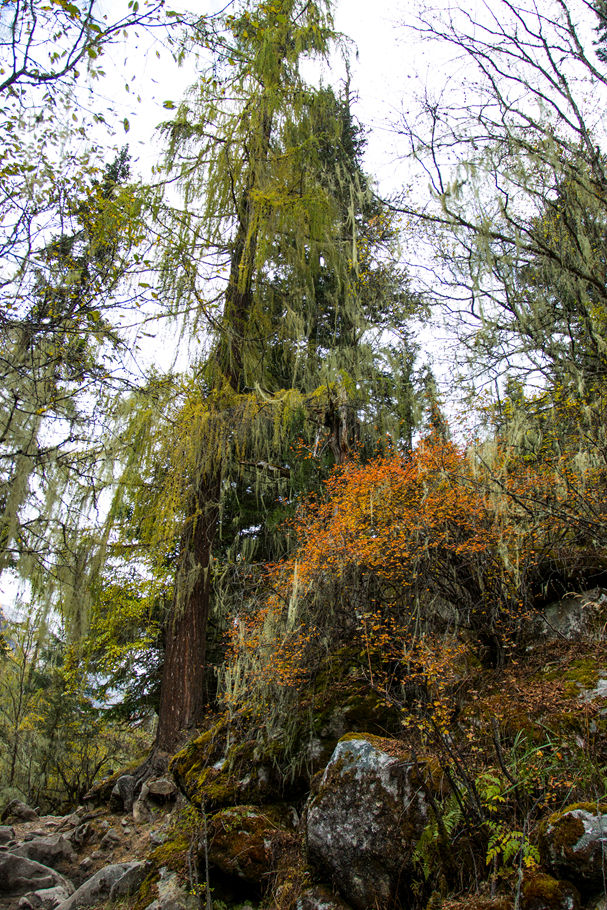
182 689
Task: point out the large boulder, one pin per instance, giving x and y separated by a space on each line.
366 819
97 889
543 892
129 883
122 796
212 774
18 811
19 875
574 617
241 841
573 844
54 851
111 839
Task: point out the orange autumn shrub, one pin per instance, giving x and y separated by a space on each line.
443 541
422 528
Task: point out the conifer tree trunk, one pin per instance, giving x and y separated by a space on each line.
182 690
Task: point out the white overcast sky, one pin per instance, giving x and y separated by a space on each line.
382 66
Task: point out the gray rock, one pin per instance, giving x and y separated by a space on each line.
573 845
46 898
123 793
363 825
130 881
54 851
142 814
79 835
19 876
111 839
161 789
171 896
7 834
599 691
141 809
575 617
177 902
19 811
98 887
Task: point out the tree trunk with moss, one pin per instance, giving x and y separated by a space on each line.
182 691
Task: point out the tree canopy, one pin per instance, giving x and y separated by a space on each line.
299 458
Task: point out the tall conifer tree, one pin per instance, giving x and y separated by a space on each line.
269 169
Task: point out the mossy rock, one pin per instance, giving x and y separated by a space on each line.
212 773
381 742
172 856
592 807
579 676
198 756
367 817
241 841
212 778
572 844
543 892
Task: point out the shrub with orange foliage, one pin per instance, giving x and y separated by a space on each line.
442 540
424 529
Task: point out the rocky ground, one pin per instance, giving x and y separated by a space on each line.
362 820
92 855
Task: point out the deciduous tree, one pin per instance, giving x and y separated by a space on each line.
518 183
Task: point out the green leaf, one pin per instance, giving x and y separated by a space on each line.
126 125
